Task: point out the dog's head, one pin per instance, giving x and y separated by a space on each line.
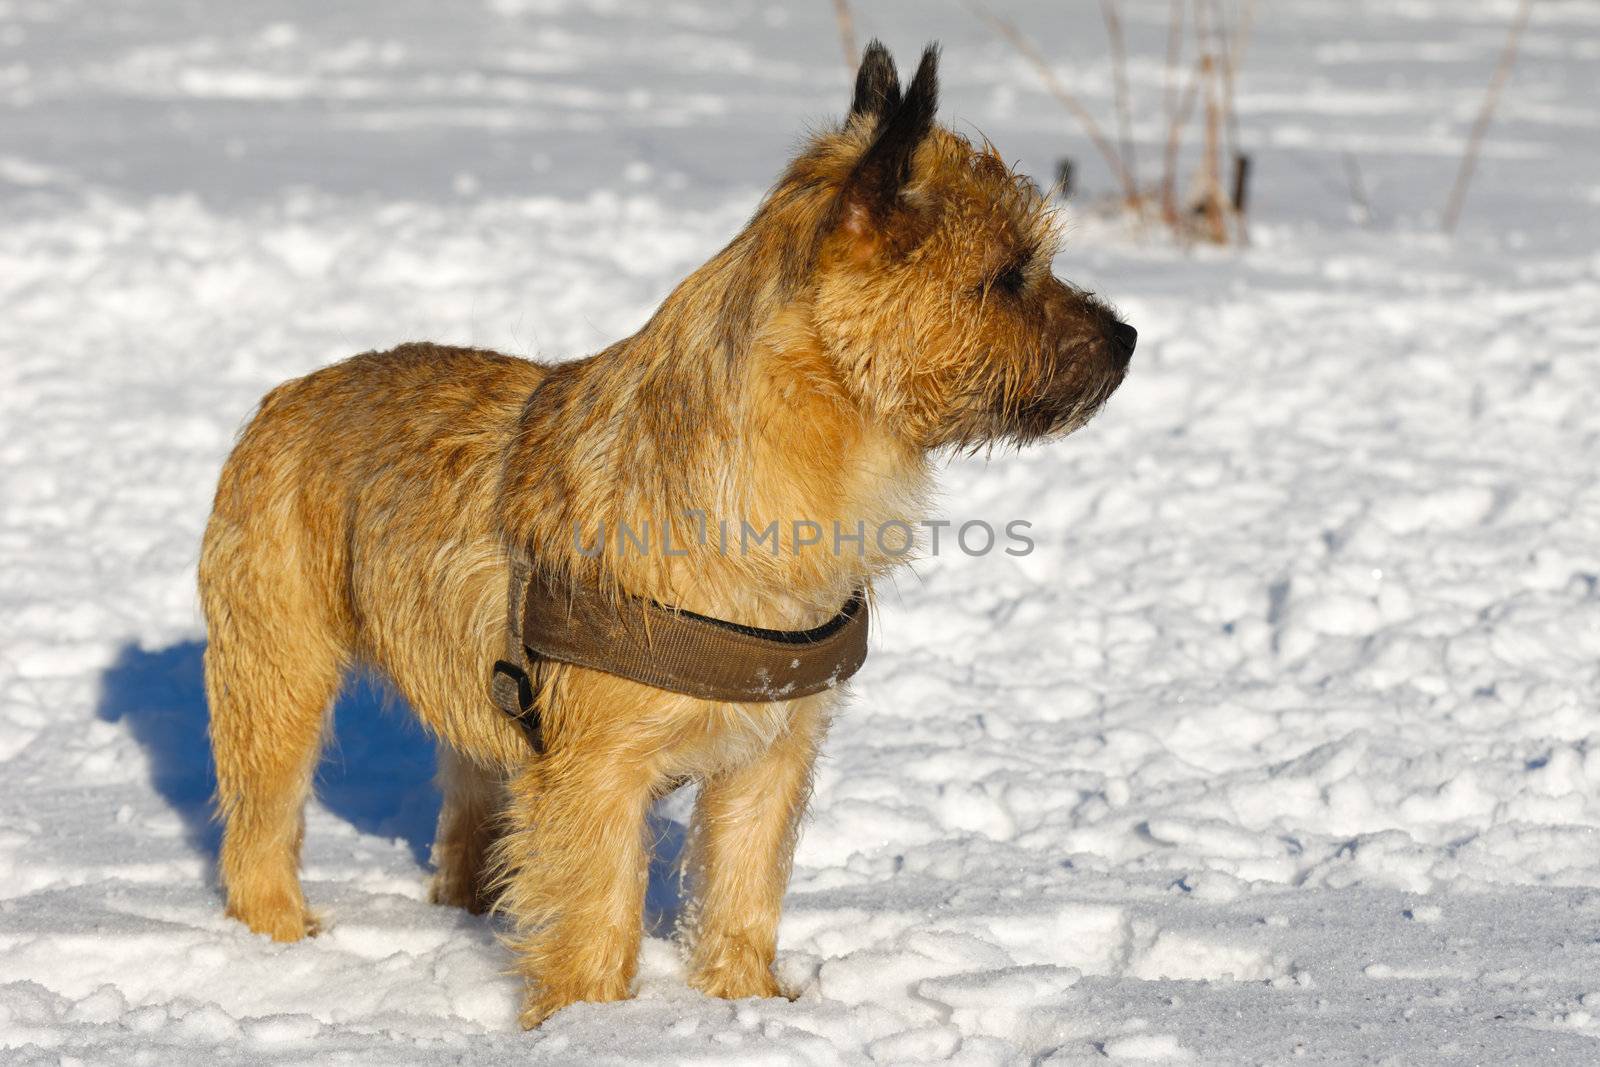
933 287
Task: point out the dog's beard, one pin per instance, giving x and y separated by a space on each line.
985 420
1074 411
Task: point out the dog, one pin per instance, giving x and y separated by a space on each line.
890 300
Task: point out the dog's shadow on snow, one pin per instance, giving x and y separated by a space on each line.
376 771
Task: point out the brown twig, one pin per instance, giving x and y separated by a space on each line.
1119 82
1067 100
1233 49
847 34
1240 42
1469 158
1225 66
1224 49
1358 188
1230 129
1233 46
1218 45
1169 112
1180 119
1212 202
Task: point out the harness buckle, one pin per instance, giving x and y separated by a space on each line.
512 691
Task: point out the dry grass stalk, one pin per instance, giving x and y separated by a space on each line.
1170 107
1090 127
847 34
1227 46
1119 78
1480 126
1214 213
1212 206
1358 189
1219 202
1233 49
1175 127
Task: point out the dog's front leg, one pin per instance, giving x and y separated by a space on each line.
575 863
742 847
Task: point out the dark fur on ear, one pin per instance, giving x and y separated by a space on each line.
874 186
877 83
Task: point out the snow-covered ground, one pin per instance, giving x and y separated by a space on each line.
1283 743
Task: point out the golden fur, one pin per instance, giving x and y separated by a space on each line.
891 297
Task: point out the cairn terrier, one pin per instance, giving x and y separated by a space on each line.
891 299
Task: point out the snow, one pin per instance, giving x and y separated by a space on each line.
1281 744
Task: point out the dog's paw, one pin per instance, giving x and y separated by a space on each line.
282 923
536 1011
547 1001
453 892
737 983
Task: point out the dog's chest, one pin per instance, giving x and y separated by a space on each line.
743 732
725 737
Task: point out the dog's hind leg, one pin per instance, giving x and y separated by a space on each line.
469 821
273 668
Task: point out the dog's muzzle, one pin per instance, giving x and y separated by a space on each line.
1123 338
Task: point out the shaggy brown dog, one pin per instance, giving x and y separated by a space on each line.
892 297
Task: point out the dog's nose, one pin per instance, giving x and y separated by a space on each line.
1126 337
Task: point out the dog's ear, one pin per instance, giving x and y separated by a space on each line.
871 193
877 83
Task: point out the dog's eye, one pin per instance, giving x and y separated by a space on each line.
1011 280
